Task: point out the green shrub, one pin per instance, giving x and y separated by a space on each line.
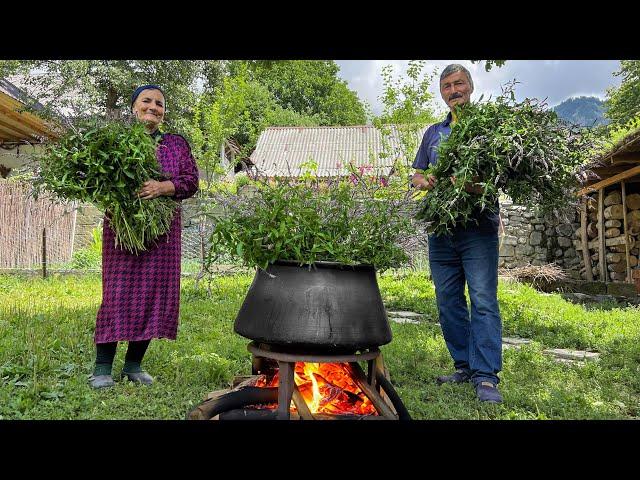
89 257
309 219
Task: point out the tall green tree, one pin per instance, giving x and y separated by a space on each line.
238 109
623 102
309 87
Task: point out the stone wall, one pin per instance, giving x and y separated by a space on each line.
528 238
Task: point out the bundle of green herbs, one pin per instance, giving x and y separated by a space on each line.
519 148
106 165
359 218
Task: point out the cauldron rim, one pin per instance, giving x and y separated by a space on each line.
323 264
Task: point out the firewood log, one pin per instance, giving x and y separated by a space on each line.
595 256
620 248
633 230
634 251
613 224
633 260
617 276
613 212
593 216
633 201
617 267
633 217
592 230
614 257
611 232
614 198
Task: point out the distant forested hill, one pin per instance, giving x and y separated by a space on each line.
586 111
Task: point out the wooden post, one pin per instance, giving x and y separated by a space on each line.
44 253
585 241
285 389
604 277
626 235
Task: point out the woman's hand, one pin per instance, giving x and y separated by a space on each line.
153 189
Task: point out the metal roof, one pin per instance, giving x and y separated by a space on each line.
16 124
280 151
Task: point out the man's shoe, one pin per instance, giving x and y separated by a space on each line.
459 376
101 381
488 392
138 377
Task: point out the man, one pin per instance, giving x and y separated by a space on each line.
468 254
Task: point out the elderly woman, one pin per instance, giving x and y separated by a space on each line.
141 293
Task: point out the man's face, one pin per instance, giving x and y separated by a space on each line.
455 89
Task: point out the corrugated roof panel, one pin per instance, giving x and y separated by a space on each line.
282 150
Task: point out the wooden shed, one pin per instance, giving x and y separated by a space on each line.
609 234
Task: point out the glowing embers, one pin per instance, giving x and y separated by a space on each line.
327 388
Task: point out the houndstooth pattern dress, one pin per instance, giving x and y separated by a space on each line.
141 293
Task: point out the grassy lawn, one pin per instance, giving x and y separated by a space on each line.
47 353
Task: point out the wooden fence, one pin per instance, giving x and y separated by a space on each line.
22 222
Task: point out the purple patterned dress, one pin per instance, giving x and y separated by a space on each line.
141 293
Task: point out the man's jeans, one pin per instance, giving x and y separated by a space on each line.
475 343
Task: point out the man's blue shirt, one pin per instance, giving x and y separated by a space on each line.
428 152
427 156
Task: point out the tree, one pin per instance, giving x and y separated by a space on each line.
79 88
408 104
489 64
240 109
309 87
623 102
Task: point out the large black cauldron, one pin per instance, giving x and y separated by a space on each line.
326 306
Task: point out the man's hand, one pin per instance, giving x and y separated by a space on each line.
471 187
153 189
423 183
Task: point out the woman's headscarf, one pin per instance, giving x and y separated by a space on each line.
141 89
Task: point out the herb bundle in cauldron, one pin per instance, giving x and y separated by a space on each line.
521 148
106 165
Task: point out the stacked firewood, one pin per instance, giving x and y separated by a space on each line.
614 233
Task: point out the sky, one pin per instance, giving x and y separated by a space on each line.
555 80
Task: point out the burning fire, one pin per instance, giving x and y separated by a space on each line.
327 388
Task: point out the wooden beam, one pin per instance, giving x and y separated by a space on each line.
601 238
629 158
610 181
30 120
626 236
583 234
19 131
610 171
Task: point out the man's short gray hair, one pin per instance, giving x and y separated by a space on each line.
454 68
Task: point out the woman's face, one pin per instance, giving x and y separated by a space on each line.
149 108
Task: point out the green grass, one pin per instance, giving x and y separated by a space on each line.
47 353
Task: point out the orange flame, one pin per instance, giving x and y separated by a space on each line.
326 388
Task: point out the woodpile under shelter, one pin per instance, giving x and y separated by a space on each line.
609 234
